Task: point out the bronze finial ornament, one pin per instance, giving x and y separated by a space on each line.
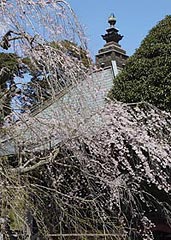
112 20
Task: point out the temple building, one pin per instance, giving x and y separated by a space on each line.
112 50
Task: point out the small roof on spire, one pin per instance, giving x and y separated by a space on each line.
112 34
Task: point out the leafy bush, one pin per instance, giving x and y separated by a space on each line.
147 74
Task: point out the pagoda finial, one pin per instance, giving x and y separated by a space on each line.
112 20
112 34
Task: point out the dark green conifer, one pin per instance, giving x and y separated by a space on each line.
147 74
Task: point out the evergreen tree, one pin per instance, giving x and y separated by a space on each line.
147 74
9 67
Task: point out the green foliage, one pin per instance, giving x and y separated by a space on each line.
9 64
73 50
33 69
9 67
147 74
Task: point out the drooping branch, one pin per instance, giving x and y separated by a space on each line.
48 159
7 38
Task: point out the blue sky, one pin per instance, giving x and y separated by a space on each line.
134 19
